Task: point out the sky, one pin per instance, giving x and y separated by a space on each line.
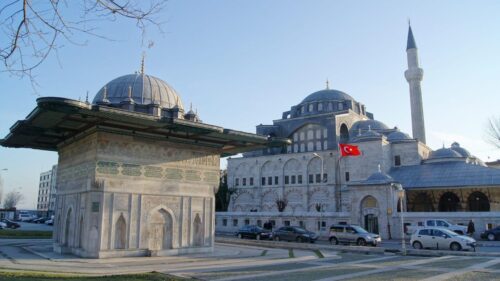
242 63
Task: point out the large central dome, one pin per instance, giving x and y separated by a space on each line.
327 95
145 89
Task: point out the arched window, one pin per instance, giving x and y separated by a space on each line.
120 233
421 203
449 202
320 107
344 133
478 202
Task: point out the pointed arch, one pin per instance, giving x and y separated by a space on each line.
120 233
197 231
80 233
68 226
161 223
478 202
449 202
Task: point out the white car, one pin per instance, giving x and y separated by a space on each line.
441 239
3 225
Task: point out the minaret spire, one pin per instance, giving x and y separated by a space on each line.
142 63
414 76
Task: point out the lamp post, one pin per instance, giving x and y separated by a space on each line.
321 158
401 195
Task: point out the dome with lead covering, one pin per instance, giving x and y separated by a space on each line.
444 153
397 136
143 89
379 177
327 95
367 125
462 151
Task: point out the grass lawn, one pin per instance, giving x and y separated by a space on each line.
42 276
28 234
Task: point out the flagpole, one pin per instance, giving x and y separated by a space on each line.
338 182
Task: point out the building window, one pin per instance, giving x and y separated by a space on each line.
325 177
273 223
299 179
397 160
293 179
269 180
320 107
237 182
259 223
287 223
244 181
311 107
311 178
318 178
286 179
346 176
235 222
263 181
224 222
301 224
247 221
251 181
276 180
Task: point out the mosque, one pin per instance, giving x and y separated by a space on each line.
308 182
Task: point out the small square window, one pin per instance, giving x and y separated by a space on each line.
293 179
251 181
263 181
247 221
269 180
347 178
287 223
299 179
235 222
237 182
244 181
311 178
95 207
224 222
318 178
276 180
286 179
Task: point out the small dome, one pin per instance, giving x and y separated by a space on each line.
444 153
145 89
367 125
397 136
462 151
380 177
327 95
367 136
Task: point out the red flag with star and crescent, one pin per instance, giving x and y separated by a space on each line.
349 150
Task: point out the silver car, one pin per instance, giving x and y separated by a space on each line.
441 239
353 234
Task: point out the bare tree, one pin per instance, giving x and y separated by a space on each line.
31 30
493 131
12 199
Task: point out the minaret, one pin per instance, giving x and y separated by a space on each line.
414 76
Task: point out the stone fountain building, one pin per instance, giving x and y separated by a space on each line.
136 173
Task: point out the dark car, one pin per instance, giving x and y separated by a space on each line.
10 224
294 233
40 220
491 234
254 232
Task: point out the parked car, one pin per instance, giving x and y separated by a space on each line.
254 232
10 224
459 229
294 233
352 234
49 222
3 225
40 220
25 217
441 239
491 234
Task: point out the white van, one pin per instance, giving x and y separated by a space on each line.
24 216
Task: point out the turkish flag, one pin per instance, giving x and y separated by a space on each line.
349 150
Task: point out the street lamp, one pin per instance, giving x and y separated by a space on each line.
401 196
321 158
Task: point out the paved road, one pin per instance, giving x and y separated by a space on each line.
35 226
255 263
